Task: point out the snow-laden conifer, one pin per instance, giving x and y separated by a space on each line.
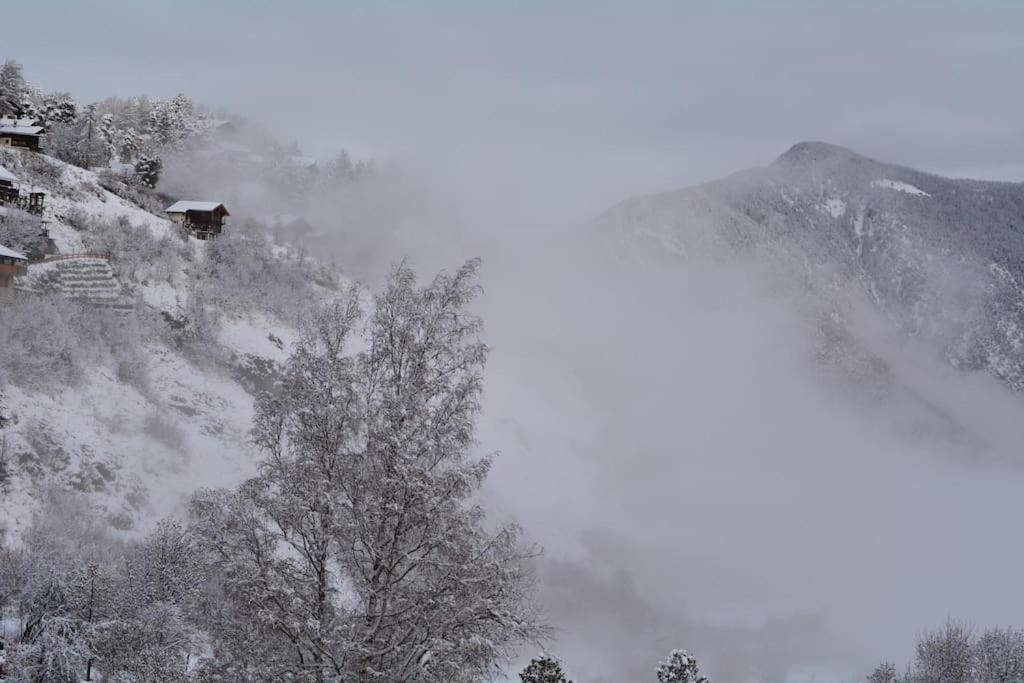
543 669
680 667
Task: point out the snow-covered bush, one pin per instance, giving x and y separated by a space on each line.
133 187
194 329
57 654
136 253
22 232
241 271
93 607
680 667
78 218
48 341
164 430
38 169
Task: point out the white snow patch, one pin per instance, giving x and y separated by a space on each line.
835 207
162 296
137 455
900 186
258 335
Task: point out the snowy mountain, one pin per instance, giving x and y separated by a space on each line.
943 259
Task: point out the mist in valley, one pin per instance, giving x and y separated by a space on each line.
698 473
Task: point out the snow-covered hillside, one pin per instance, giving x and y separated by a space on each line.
137 447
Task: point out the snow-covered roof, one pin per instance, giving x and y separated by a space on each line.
10 253
8 121
21 130
183 206
7 175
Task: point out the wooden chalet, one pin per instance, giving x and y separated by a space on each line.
10 195
12 264
20 133
7 179
204 220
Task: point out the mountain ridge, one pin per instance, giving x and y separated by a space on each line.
943 258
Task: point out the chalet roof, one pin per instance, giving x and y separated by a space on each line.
10 253
183 206
7 175
8 121
21 130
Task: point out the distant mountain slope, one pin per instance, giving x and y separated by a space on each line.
943 258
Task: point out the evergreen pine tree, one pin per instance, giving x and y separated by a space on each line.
680 667
884 673
129 145
58 108
12 88
147 170
543 669
27 109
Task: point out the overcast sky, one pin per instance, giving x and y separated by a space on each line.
594 98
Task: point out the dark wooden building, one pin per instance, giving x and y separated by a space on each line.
26 137
204 220
10 195
12 264
7 184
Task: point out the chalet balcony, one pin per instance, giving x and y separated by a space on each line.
203 230
30 202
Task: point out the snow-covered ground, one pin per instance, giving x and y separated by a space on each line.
138 456
137 452
77 191
257 335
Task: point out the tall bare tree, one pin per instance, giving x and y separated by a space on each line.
944 656
999 656
358 553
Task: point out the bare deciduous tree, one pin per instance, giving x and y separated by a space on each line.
358 554
999 656
944 656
